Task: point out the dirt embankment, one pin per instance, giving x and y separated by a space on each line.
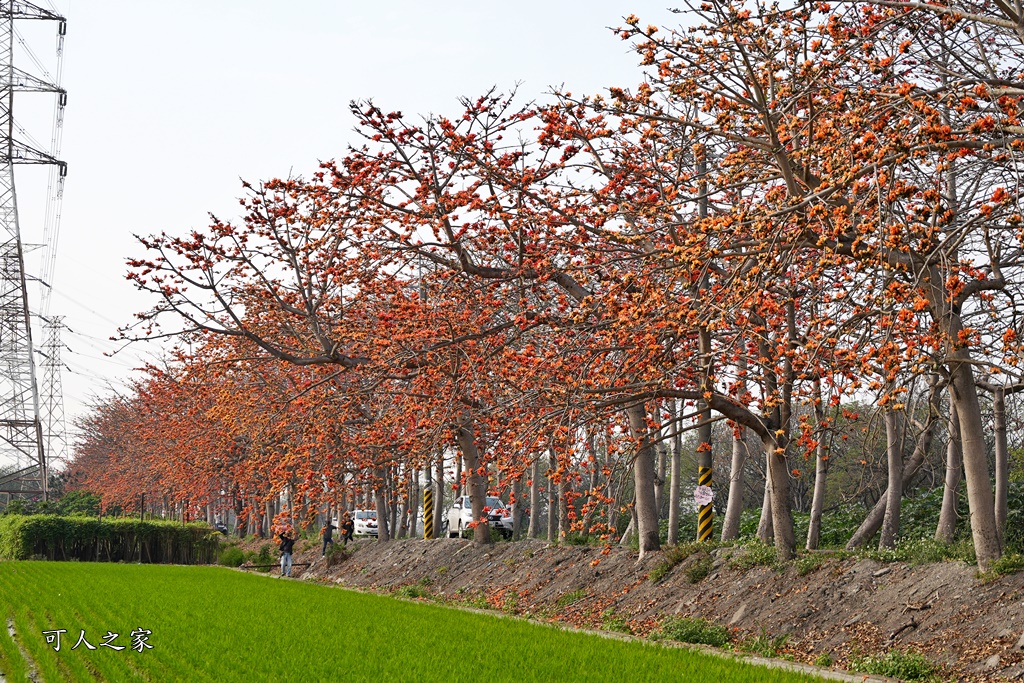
845 606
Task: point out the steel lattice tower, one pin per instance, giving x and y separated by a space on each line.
54 429
23 458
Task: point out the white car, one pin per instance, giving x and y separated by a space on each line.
460 515
365 523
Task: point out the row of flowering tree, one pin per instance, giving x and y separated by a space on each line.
797 207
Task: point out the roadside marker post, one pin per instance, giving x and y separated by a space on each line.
428 514
703 495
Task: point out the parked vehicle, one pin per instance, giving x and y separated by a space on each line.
365 523
460 515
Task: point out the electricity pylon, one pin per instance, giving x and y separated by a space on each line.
23 458
54 429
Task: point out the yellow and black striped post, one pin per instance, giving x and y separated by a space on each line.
428 514
705 513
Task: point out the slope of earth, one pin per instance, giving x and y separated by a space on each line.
846 607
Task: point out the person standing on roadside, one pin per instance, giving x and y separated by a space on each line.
328 537
287 543
347 527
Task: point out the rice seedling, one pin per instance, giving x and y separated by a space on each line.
213 623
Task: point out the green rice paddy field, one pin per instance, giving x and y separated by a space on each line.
216 624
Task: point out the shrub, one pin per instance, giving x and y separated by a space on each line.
232 557
412 591
113 539
263 558
71 503
919 515
686 630
910 666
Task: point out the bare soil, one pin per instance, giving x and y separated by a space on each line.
847 606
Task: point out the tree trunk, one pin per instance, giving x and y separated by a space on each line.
1002 465
458 475
564 487
476 484
734 506
401 508
643 478
782 512
818 501
627 535
439 507
675 473
413 506
517 508
894 490
552 498
534 530
740 451
946 530
380 504
660 478
964 394
391 491
820 473
239 521
765 533
873 522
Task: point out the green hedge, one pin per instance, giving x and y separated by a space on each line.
109 540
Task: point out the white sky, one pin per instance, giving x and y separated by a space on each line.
171 103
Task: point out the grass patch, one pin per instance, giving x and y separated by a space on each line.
908 666
610 621
567 599
336 554
764 644
674 554
917 551
212 624
755 554
412 590
809 563
1010 563
577 538
699 569
686 630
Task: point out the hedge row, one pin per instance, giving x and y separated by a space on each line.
53 537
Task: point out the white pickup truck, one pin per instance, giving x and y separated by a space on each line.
460 515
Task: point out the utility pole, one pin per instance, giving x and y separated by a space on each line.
22 444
